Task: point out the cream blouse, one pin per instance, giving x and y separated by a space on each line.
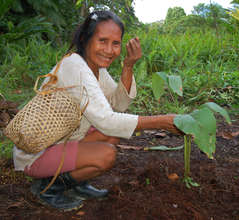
107 100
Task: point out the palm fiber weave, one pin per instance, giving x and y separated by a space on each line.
46 119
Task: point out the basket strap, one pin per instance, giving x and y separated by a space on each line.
53 80
53 77
61 162
58 169
70 134
64 153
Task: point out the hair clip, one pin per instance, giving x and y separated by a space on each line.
94 17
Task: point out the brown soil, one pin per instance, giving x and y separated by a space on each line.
141 187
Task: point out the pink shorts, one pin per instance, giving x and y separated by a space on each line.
47 164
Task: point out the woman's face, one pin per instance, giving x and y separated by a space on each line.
104 46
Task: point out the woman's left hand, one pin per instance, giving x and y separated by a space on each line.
134 52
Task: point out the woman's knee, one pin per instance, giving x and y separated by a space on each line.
108 156
113 140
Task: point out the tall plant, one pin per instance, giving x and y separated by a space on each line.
199 125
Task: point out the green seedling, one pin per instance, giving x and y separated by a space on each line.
160 80
199 125
163 148
147 180
187 151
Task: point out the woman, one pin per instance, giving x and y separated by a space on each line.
91 151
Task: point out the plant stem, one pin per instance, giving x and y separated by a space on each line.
187 152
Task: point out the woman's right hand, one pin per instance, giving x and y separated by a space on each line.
170 126
165 122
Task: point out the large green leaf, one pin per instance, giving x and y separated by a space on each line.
26 28
175 83
5 6
206 120
157 85
187 124
164 76
78 3
206 138
201 124
141 71
216 108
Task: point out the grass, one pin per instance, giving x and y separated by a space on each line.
6 147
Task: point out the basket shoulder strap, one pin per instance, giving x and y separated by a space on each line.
53 79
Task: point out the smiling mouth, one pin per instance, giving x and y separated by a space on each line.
106 58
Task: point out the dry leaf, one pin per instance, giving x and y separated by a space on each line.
234 134
12 104
127 147
3 104
13 111
160 134
226 135
18 91
150 131
15 205
229 135
173 176
2 124
81 213
134 182
5 117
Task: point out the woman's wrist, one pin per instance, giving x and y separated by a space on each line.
164 122
128 64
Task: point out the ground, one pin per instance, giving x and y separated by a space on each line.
145 185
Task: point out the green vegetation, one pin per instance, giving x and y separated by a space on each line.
201 48
199 125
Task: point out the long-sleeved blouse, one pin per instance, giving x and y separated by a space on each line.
107 101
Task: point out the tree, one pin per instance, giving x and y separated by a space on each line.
55 20
123 8
212 15
201 10
174 14
173 18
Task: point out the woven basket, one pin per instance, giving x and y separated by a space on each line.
50 116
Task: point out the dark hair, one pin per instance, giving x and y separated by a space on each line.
85 31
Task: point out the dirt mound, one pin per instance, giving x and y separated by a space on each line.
140 187
8 110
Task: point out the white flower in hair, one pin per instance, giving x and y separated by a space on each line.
94 17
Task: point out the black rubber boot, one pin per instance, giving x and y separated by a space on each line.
55 196
82 190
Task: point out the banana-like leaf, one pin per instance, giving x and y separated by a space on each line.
218 109
206 138
27 28
78 3
175 83
5 6
164 76
158 85
187 124
141 71
201 124
234 13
